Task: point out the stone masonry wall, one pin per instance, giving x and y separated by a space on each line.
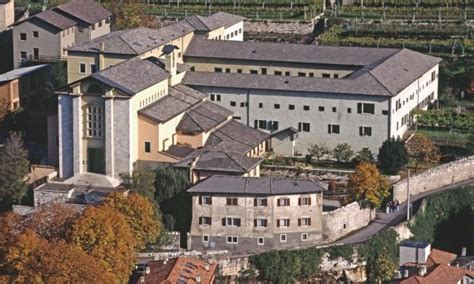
344 220
434 178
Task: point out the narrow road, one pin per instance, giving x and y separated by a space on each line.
384 220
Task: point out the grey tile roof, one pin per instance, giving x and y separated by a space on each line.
214 21
179 99
366 84
133 75
19 72
86 10
179 151
203 117
284 52
135 41
225 162
55 19
239 185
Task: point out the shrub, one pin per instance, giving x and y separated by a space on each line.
392 156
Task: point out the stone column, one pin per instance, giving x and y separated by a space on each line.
109 134
77 132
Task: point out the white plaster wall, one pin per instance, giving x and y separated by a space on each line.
239 28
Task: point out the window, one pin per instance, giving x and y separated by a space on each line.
231 222
303 126
283 238
365 131
205 221
237 117
301 74
82 68
334 109
22 36
205 238
304 237
260 105
260 222
100 24
276 106
260 241
93 26
304 201
213 97
36 53
333 129
218 70
147 147
264 71
239 70
233 103
283 201
23 54
243 104
277 73
305 221
365 108
232 240
326 75
207 200
291 107
94 121
306 107
321 108
273 125
349 110
287 73
232 201
192 68
253 71
311 74
227 70
260 201
336 76
218 98
35 34
93 68
262 124
283 222
433 76
385 112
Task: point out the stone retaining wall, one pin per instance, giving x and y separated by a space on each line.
302 28
340 222
435 178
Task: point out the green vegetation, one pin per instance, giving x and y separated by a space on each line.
444 137
392 156
445 118
380 252
439 209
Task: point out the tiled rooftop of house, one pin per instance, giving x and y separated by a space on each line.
256 185
375 76
133 75
19 72
441 274
56 19
203 117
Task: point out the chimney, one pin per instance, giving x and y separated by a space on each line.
422 270
206 266
101 56
405 273
198 278
463 251
169 51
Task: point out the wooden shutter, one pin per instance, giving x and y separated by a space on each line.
255 222
309 221
361 131
200 220
278 202
299 201
200 199
309 200
288 201
223 222
255 202
278 222
210 200
288 222
299 222
237 222
359 107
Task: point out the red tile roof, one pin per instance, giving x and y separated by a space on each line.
441 274
439 257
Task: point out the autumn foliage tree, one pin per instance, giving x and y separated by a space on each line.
140 215
104 233
421 149
130 14
370 185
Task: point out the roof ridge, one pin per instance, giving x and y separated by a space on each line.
380 63
229 121
120 36
195 122
235 161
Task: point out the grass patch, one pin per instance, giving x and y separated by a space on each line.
443 137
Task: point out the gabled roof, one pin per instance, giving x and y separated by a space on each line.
440 257
55 19
133 75
135 41
19 72
256 185
179 99
203 117
209 160
441 274
88 11
212 22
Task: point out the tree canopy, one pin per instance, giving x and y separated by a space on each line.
319 150
392 156
14 166
141 180
370 185
421 149
343 152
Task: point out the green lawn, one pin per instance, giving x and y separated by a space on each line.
443 137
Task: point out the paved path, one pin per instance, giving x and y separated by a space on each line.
384 220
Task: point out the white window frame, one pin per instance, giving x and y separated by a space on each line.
304 218
232 218
261 218
206 197
232 240
286 225
285 238
203 238
258 241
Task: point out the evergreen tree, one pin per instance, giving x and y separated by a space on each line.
392 156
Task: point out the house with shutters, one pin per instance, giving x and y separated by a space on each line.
253 214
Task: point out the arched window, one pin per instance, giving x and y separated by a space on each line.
94 89
94 121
